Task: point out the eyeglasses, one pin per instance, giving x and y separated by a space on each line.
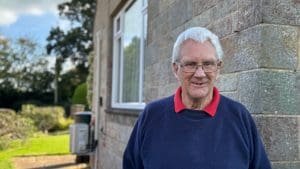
207 67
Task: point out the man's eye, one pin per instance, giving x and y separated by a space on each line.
190 64
208 63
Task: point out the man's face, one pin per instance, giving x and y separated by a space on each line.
199 84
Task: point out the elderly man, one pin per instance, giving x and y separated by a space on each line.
197 128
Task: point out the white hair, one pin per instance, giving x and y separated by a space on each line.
198 34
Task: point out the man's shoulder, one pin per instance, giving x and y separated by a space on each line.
233 107
155 110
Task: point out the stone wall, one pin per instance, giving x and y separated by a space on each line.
261 69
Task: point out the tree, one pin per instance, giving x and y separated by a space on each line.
77 42
23 67
24 73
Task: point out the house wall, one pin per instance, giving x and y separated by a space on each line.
261 43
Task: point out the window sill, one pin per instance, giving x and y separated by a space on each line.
123 111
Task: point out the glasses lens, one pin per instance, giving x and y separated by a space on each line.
206 67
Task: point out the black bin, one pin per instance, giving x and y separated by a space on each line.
83 117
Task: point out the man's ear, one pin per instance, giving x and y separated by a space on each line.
175 69
220 65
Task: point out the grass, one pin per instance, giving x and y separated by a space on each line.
39 145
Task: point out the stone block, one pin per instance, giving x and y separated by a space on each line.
201 6
262 46
152 75
167 90
249 91
154 32
278 93
151 55
179 13
108 160
241 51
222 27
286 165
163 24
164 4
280 134
223 9
151 93
279 46
298 91
164 48
266 91
281 12
200 20
228 82
173 34
153 10
249 14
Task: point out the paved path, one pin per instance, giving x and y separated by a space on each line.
48 162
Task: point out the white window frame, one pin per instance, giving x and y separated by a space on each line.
117 59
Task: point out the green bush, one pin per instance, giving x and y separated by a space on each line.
13 126
45 118
63 124
80 95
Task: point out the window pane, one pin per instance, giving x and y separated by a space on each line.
131 52
145 3
145 30
118 68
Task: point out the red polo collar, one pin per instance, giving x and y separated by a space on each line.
210 109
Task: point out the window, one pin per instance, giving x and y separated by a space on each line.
130 28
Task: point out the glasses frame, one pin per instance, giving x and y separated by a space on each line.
184 67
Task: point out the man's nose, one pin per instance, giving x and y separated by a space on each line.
199 72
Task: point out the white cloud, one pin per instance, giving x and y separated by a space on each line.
12 9
7 17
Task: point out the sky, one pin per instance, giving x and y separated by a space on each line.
31 19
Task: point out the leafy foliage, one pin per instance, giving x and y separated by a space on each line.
44 118
63 124
13 126
24 73
77 42
80 93
22 66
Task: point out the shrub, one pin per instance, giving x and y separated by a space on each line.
63 124
13 126
44 118
79 96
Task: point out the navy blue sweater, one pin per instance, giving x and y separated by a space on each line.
163 139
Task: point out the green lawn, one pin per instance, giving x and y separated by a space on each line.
40 145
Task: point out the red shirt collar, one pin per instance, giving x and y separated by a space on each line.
210 109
